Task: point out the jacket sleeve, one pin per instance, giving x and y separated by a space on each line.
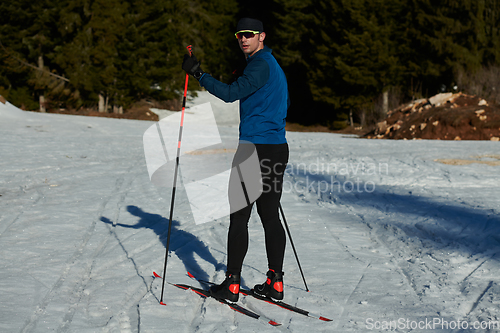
254 77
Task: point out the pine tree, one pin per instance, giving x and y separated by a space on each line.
93 30
29 36
447 35
290 38
367 59
491 17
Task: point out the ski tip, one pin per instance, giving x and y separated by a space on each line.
182 286
156 275
274 323
324 319
162 303
190 275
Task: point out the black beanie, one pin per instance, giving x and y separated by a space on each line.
249 24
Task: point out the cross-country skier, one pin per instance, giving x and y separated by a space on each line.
263 94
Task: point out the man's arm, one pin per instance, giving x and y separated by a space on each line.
254 77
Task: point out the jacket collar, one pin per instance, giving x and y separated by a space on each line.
265 49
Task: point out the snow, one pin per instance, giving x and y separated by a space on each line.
385 234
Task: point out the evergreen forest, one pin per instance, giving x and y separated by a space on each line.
343 58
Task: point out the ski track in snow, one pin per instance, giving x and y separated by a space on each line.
78 278
82 229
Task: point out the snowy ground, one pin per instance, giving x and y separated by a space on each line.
383 231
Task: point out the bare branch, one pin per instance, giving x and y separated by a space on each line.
32 66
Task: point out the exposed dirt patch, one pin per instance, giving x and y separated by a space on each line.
493 160
295 127
138 111
129 114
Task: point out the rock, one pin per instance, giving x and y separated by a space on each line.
457 138
479 112
495 138
435 123
417 103
381 126
412 127
439 99
483 118
422 126
482 102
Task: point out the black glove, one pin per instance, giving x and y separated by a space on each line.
192 66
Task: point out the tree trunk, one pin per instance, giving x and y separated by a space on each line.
41 99
106 104
117 109
101 103
362 117
385 103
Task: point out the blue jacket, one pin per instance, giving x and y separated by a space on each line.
263 94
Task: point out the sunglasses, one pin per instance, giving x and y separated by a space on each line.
246 33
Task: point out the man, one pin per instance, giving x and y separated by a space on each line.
263 94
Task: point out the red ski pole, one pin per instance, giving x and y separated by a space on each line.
175 183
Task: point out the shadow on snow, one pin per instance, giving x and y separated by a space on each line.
184 244
442 222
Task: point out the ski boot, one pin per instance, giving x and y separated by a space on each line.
273 287
229 289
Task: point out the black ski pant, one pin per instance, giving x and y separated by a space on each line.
273 159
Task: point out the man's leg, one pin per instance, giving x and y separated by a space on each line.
237 239
273 164
237 246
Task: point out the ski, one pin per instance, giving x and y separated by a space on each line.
270 301
283 305
238 308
